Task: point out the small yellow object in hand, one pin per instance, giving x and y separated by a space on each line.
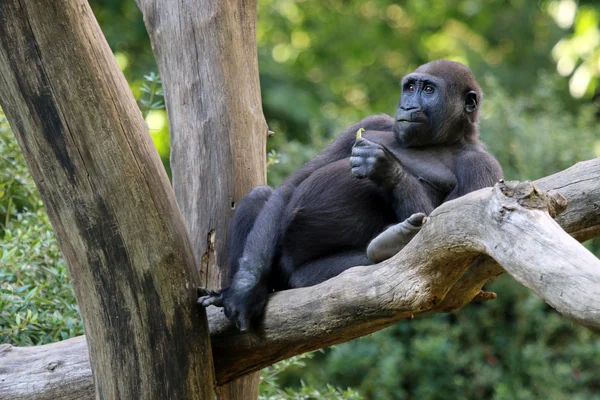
359 133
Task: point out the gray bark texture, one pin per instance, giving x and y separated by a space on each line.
442 269
206 53
113 210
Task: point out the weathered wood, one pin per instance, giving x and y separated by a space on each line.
415 281
61 372
579 185
206 54
209 69
538 253
111 205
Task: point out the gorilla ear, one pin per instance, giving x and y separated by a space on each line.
471 101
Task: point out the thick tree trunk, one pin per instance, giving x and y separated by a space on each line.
508 223
111 205
206 53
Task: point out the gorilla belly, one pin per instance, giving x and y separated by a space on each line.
333 211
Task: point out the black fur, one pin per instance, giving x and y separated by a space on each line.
320 221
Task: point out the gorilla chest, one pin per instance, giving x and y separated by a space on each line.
429 167
432 166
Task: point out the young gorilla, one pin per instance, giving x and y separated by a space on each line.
332 213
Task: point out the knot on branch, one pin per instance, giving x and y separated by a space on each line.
526 194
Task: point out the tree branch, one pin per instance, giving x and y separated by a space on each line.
442 269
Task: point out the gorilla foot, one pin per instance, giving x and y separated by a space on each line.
240 306
209 298
394 238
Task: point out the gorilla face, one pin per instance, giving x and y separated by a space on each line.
439 105
421 111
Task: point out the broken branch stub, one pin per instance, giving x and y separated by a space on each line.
538 253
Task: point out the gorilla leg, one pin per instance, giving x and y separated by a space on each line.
394 238
247 211
319 270
243 220
384 246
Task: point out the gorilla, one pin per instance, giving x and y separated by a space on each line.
363 198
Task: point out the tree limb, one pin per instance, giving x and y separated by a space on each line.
443 268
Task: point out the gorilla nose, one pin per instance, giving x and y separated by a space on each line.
408 114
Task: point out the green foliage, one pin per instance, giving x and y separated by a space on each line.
152 94
326 64
14 177
150 100
577 55
36 299
532 134
271 390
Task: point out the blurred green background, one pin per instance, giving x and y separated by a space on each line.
325 64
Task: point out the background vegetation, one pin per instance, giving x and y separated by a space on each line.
325 64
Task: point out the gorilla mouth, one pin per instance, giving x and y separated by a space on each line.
411 118
410 121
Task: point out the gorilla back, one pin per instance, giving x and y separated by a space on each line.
360 200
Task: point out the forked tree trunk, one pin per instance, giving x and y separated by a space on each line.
109 201
206 53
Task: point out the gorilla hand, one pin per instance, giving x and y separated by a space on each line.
243 300
372 160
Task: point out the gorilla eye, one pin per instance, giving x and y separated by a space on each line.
429 89
411 88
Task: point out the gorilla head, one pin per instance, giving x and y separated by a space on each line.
439 105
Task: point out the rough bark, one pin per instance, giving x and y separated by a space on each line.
206 53
111 205
427 276
61 372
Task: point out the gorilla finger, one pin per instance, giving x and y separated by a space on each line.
210 300
372 160
362 150
367 145
416 219
362 142
356 161
359 172
369 152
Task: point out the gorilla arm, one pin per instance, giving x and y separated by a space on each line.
474 169
375 162
372 160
